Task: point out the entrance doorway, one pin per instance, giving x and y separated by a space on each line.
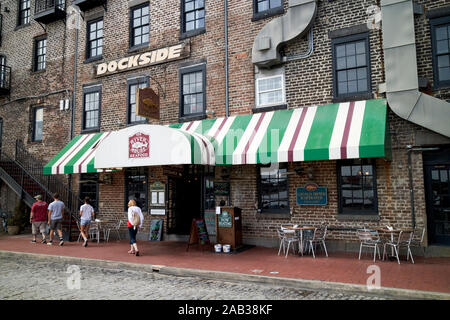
188 198
437 193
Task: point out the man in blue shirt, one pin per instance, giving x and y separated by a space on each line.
55 217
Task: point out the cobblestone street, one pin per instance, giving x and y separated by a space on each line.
26 278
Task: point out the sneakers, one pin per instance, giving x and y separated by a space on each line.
85 244
131 252
137 253
33 241
43 241
50 243
61 242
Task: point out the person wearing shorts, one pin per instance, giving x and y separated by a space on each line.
38 218
87 214
55 216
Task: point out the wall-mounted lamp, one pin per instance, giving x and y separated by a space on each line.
211 112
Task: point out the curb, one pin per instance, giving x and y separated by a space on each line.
314 285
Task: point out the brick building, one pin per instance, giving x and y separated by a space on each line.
285 59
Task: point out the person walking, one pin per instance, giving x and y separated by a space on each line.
135 220
38 218
87 214
55 217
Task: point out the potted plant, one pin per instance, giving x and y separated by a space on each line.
18 220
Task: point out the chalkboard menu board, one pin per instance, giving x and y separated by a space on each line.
199 233
225 219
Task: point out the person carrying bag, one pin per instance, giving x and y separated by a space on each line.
135 220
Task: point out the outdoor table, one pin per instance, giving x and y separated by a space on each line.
300 229
101 225
391 232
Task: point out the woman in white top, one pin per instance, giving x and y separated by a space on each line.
86 213
133 229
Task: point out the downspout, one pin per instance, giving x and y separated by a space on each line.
400 63
72 118
226 59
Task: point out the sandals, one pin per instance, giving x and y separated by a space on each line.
131 252
137 253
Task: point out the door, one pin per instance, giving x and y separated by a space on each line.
437 186
184 202
89 188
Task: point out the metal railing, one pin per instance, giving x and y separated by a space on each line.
5 77
51 183
43 5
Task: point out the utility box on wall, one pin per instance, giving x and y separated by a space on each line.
229 227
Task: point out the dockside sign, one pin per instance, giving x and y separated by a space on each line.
158 56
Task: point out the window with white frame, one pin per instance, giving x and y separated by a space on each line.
270 91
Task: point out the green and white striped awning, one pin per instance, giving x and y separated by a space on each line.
337 131
348 130
77 156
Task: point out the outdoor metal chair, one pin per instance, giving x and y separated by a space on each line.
79 229
404 240
318 238
280 234
288 237
115 228
94 231
369 239
417 240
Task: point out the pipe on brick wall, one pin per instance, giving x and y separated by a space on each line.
298 20
226 58
400 64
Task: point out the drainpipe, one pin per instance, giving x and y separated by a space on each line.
72 118
410 174
400 64
226 58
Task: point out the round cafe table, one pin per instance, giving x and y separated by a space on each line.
300 230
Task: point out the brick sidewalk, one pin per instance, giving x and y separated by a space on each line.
427 274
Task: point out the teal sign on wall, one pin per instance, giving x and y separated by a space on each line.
312 195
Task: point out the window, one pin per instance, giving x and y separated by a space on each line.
91 108
133 85
440 35
357 187
273 189
38 118
24 12
192 92
267 8
193 15
139 26
94 37
270 91
136 187
40 50
3 75
351 65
